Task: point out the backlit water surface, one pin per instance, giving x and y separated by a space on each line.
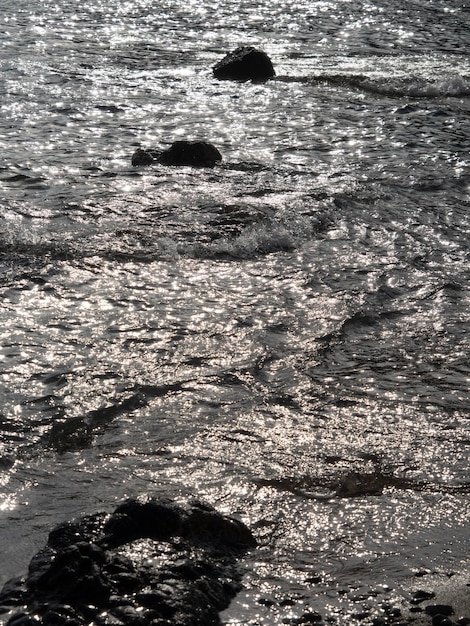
258 334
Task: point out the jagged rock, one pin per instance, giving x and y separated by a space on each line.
245 63
148 562
193 153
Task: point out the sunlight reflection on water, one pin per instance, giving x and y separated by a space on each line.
283 335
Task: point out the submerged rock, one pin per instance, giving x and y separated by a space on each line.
193 153
150 562
245 63
356 484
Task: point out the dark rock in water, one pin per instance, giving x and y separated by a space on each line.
204 524
154 519
193 153
356 484
442 620
439 609
310 617
150 562
420 596
12 593
144 157
73 434
245 63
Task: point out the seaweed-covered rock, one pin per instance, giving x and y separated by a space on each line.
149 562
245 63
193 153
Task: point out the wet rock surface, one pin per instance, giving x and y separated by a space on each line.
245 63
142 157
192 153
151 562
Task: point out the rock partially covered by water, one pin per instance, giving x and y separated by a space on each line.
150 563
245 63
193 153
144 157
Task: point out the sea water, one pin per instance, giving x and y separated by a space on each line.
284 336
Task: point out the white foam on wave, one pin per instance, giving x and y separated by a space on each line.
451 85
448 86
261 239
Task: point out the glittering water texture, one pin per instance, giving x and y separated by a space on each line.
285 335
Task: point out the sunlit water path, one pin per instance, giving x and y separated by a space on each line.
285 335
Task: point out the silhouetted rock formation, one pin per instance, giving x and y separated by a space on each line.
151 562
144 157
194 153
245 63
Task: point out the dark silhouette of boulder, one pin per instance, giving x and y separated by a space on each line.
150 562
193 153
245 63
143 157
154 519
439 609
204 525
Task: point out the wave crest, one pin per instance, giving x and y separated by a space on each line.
452 85
262 239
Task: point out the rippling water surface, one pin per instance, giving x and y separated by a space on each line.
285 335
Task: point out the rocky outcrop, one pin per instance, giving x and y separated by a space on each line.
150 563
245 63
193 153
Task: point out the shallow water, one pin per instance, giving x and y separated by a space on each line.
285 335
